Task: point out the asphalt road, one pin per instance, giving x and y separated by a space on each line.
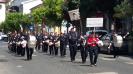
45 64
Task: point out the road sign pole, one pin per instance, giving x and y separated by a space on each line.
81 30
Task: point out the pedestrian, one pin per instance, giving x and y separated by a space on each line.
93 48
73 38
31 45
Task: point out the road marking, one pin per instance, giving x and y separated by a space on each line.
104 73
4 46
2 56
19 66
107 59
34 55
131 63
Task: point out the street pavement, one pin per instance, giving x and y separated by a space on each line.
46 64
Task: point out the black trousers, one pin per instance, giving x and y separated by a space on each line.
73 51
56 50
38 46
115 51
45 47
14 48
19 49
51 50
23 51
29 53
83 53
62 49
93 52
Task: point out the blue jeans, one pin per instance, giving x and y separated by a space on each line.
93 52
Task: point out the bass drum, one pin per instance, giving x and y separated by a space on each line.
118 41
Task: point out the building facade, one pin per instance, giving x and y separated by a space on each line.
2 10
24 6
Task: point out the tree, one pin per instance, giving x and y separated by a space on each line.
13 21
123 10
89 8
53 11
38 14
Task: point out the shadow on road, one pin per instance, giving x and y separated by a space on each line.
65 61
109 57
3 60
85 65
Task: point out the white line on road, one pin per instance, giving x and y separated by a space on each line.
104 73
34 55
131 63
19 66
107 59
2 56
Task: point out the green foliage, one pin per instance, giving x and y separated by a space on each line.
73 4
38 14
123 10
89 8
51 10
13 21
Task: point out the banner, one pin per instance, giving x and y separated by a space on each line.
94 22
74 14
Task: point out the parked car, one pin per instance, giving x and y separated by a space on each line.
3 37
100 33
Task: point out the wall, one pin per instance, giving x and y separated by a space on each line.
2 12
27 6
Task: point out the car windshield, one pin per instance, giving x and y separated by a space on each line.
99 33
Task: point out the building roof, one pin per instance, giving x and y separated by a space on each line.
4 1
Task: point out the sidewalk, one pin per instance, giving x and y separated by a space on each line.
120 58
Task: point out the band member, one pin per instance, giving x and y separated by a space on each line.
51 43
31 45
18 43
9 41
14 40
56 44
45 42
116 43
81 46
63 43
73 38
23 45
38 44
